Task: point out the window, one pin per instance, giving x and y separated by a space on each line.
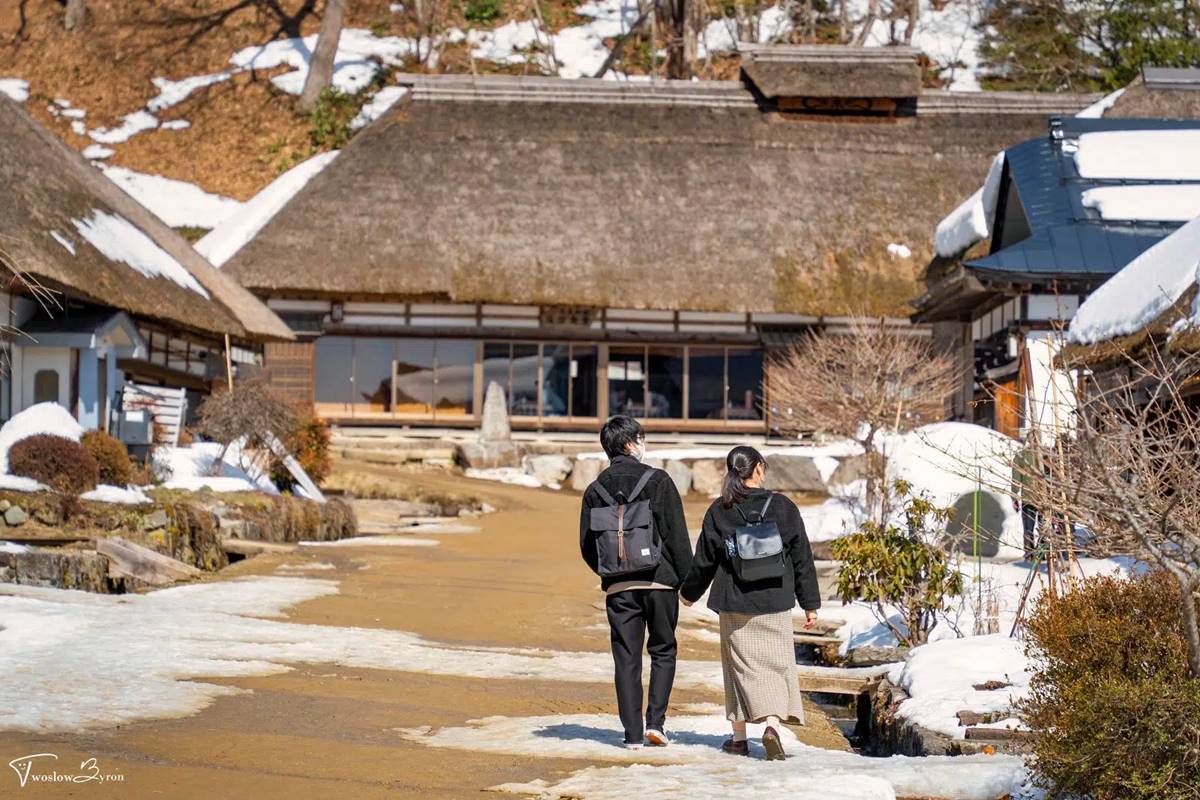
665 382
523 400
706 383
45 386
335 373
627 381
454 381
414 376
745 384
584 363
556 382
372 376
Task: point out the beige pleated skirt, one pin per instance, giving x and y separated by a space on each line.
758 658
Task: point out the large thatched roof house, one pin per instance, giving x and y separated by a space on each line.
1058 216
599 247
100 289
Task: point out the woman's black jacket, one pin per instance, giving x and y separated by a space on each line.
710 564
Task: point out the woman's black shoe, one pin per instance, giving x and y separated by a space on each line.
736 747
772 743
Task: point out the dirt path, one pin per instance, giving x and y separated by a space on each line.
328 731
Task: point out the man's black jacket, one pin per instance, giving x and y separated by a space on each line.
669 523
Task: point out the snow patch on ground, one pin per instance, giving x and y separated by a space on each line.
1142 291
97 152
131 125
971 222
48 418
118 239
12 547
318 565
1168 155
221 243
172 93
360 56
15 89
67 244
694 767
510 475
94 661
128 495
376 541
378 105
896 250
176 203
191 468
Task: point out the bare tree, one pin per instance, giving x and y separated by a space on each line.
673 19
320 67
1129 473
873 379
251 412
76 16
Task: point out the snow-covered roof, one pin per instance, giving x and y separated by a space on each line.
1141 292
71 229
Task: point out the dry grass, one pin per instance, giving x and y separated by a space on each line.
369 486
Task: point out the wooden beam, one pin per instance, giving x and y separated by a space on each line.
840 680
249 547
129 560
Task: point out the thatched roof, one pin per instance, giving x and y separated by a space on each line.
48 191
819 70
534 190
1157 99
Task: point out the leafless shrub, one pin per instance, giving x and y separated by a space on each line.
872 380
251 412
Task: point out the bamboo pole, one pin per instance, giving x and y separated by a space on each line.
228 364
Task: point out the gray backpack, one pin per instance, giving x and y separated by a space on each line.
624 531
756 549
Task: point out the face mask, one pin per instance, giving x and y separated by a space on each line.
639 451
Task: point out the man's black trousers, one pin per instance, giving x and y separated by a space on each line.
631 615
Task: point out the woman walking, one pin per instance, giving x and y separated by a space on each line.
754 552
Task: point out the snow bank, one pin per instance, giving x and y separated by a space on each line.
1142 291
504 44
191 468
971 222
514 476
90 661
1169 155
227 238
940 680
177 203
1097 109
1173 202
41 418
360 55
15 89
947 31
16 483
694 767
378 105
128 495
119 240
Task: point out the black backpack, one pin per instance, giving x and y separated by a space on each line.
624 531
756 549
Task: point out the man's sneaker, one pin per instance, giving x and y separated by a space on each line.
633 745
656 738
773 744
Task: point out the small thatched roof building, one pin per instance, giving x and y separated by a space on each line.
66 226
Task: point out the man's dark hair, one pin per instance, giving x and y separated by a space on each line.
618 433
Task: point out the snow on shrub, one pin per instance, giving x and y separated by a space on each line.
41 418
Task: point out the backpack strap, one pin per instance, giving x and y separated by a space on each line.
604 495
762 514
641 484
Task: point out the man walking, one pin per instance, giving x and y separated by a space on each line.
632 533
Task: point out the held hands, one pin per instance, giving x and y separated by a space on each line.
685 601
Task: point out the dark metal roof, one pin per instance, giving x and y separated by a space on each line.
1187 78
1066 239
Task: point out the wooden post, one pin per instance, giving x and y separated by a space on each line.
228 364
